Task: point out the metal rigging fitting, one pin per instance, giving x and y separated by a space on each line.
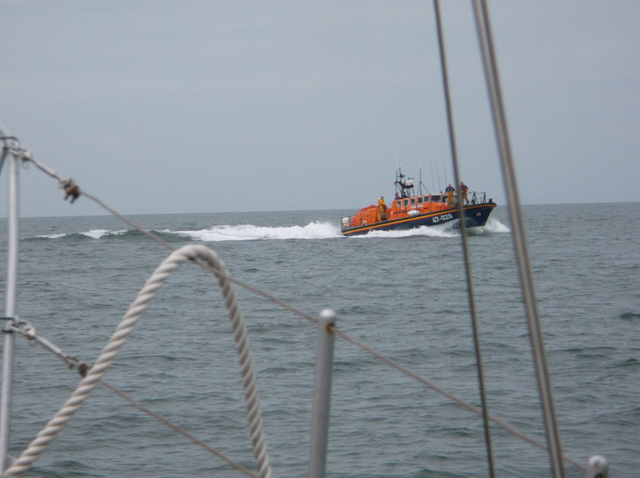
71 188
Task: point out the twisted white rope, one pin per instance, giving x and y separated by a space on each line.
108 354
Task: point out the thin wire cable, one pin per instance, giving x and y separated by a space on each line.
124 329
289 307
519 237
465 246
47 170
511 429
25 329
208 267
178 429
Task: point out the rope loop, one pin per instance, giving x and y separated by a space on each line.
212 263
93 375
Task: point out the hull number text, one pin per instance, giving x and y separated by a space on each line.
442 218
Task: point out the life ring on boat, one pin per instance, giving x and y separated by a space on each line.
364 223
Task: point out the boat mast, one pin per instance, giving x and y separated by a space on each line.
10 304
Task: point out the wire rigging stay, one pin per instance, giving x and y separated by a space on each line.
196 254
124 329
206 258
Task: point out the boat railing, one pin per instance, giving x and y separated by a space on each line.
478 197
474 197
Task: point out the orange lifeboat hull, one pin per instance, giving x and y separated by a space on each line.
414 212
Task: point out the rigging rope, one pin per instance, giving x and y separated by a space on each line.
487 50
511 429
222 274
25 329
465 247
124 329
28 158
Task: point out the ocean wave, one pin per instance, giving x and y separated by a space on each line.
100 233
629 316
425 231
248 232
448 230
494 226
91 234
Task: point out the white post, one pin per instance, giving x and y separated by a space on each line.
597 467
9 311
322 396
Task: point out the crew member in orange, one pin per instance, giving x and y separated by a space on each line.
464 190
382 209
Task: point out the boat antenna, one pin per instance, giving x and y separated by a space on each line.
397 160
444 166
433 185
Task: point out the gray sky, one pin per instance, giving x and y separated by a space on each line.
216 106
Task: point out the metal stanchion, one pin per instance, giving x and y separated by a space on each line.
322 396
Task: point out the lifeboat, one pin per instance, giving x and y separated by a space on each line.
409 210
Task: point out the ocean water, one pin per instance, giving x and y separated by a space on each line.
402 294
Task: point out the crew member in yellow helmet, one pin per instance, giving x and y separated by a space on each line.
382 209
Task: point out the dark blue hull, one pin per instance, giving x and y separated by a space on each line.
476 216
